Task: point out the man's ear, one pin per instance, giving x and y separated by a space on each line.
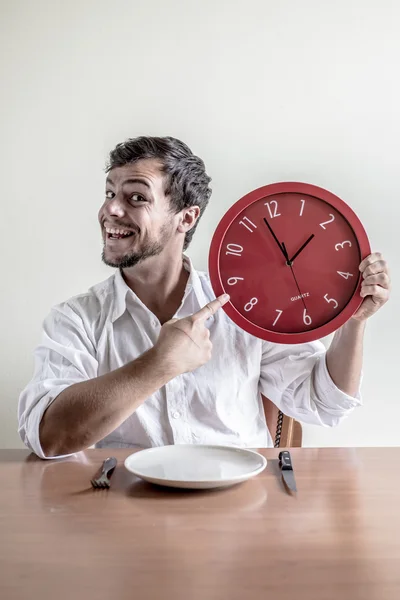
188 218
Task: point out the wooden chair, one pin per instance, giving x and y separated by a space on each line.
285 431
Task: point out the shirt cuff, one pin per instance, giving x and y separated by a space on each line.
329 394
31 437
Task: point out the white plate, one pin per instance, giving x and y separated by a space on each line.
195 466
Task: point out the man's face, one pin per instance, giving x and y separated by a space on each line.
136 219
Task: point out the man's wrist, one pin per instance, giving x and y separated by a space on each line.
162 364
355 326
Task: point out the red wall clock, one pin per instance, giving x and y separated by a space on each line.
288 256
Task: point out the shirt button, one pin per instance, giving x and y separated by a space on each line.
176 415
154 323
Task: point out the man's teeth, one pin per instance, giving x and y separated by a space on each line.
118 234
115 231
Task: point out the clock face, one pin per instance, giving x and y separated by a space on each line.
288 254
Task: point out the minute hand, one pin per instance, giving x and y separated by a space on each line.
302 248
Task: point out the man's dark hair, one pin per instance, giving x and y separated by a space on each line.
186 182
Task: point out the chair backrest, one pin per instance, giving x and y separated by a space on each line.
285 431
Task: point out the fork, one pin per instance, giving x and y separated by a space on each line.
107 469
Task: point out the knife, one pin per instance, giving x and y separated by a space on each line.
285 463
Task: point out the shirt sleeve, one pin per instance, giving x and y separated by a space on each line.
296 379
65 356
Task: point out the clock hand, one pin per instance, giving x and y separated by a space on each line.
294 276
301 249
276 239
285 254
282 248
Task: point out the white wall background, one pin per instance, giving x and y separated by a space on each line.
263 90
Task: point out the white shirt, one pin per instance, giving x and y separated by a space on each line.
218 403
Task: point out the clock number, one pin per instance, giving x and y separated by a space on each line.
326 222
250 304
345 275
234 249
276 320
342 244
273 212
306 318
234 280
249 225
302 206
329 300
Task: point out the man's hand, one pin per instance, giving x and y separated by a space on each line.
185 343
375 288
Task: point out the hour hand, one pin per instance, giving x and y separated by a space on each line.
275 238
301 248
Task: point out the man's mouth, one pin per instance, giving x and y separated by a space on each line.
114 233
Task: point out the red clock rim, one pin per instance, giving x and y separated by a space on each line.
218 237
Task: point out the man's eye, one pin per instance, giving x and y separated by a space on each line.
137 198
109 194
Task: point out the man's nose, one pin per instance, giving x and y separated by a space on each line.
116 206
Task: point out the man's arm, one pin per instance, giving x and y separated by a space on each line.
317 387
87 411
344 357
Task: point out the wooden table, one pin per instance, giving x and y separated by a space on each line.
338 539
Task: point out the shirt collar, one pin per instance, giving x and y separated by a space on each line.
121 290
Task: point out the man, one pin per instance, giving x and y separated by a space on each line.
146 358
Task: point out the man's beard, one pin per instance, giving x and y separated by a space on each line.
133 258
